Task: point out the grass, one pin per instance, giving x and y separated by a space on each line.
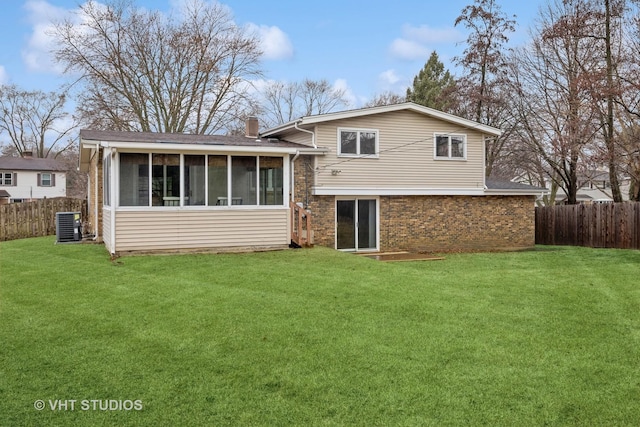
318 337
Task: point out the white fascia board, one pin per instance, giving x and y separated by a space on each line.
309 120
332 191
516 192
179 148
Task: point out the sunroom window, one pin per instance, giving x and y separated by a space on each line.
134 179
198 180
165 180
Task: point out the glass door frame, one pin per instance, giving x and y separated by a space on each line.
355 199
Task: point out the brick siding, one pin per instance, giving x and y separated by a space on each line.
440 223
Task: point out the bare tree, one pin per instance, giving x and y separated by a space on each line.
385 98
284 102
35 121
480 93
150 72
551 86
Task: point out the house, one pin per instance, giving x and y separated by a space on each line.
397 177
28 178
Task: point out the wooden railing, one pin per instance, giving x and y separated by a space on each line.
301 232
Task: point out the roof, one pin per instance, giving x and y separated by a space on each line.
509 187
182 138
4 194
409 106
30 164
89 139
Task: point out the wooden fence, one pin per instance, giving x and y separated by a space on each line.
598 225
37 218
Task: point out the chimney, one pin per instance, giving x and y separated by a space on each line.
251 127
27 154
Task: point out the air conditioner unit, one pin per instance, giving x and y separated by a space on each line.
68 227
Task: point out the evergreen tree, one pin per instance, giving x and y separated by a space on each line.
432 85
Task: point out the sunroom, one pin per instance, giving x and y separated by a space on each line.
166 192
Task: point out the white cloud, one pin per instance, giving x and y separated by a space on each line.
417 42
37 54
389 77
352 99
425 34
274 42
408 49
4 77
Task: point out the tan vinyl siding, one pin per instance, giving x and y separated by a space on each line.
201 229
299 137
406 155
106 227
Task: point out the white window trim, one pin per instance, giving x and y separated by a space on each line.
449 135
2 179
285 187
358 154
42 184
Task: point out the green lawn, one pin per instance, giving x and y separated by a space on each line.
318 337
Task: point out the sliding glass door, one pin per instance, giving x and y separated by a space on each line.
356 224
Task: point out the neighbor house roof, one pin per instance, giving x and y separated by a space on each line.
4 194
30 164
497 186
408 106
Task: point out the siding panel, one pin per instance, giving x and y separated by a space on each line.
406 155
194 229
106 227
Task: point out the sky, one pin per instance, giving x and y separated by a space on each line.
363 47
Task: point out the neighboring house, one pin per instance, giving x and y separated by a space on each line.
28 178
594 186
398 177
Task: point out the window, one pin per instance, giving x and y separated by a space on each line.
217 180
165 180
450 147
198 180
194 177
271 176
356 142
106 180
7 179
243 180
46 179
134 179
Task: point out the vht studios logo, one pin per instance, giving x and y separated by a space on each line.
89 405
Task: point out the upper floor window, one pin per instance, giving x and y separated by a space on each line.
357 142
6 178
450 146
46 179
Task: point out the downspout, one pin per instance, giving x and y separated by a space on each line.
313 142
95 196
293 174
313 135
112 179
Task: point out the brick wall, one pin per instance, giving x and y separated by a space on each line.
440 223
303 179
